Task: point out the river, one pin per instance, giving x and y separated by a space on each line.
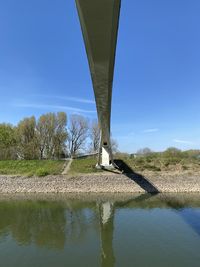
100 230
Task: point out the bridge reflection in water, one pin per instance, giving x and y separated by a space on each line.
57 224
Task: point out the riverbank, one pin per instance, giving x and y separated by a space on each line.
106 182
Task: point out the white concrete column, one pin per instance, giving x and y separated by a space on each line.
105 157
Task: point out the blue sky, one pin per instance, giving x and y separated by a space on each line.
156 93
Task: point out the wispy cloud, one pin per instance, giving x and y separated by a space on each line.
183 142
79 100
69 98
153 130
58 107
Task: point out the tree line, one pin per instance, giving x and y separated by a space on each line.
50 136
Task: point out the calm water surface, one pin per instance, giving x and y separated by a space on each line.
137 230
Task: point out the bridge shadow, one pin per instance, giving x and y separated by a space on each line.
139 179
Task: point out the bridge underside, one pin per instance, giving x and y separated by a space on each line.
99 22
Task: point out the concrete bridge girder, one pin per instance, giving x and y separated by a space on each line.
99 22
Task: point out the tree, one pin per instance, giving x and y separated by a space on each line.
52 134
27 140
78 133
114 145
144 151
172 152
61 135
7 142
95 136
42 133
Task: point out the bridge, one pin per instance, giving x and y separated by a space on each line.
99 23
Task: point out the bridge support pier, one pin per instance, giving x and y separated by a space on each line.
105 157
105 160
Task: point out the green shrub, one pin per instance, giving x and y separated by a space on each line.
41 172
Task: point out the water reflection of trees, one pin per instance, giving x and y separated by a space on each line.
36 222
49 224
78 222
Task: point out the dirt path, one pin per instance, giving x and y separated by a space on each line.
67 166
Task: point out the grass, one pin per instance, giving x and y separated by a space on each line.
154 162
84 165
31 167
157 162
163 164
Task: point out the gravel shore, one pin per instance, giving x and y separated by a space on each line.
103 183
